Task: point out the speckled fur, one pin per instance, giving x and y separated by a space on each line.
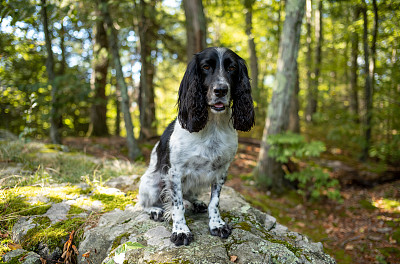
197 159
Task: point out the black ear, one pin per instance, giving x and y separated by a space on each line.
192 106
242 108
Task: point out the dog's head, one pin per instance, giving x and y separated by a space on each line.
215 79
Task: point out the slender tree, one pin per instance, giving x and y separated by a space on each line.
133 148
55 117
252 48
268 171
367 88
147 35
294 119
310 94
354 66
313 92
98 81
369 68
195 27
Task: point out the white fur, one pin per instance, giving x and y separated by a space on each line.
197 160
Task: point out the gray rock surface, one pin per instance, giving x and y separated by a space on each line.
23 256
129 236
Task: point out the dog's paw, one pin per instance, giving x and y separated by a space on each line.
157 214
199 207
222 231
180 239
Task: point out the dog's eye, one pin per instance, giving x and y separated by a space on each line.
206 67
231 68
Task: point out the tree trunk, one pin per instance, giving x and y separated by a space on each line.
294 119
196 28
55 116
147 33
133 148
63 65
370 78
252 49
373 48
98 81
310 95
269 172
367 89
313 96
354 68
118 117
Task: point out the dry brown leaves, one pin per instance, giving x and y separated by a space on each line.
70 251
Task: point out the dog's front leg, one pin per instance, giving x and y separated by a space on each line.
181 234
217 226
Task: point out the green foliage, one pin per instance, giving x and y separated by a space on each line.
312 182
286 145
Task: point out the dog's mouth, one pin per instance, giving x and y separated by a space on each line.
218 107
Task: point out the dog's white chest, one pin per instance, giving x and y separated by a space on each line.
201 157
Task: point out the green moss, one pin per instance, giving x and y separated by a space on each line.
244 226
367 205
111 202
340 256
15 260
117 240
52 235
75 210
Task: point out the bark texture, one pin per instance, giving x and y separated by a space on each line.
314 81
133 148
294 119
252 49
55 117
147 34
354 67
98 81
268 171
195 27
369 68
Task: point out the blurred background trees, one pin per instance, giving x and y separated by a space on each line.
59 77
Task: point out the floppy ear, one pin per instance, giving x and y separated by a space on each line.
192 106
242 108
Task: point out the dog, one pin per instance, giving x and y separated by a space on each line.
196 149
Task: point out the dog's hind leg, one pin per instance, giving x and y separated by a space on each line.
150 189
198 205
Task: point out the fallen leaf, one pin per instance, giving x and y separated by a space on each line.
43 261
86 255
233 258
349 247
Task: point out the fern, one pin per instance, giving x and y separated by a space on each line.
312 182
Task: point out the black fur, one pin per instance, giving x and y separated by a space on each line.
192 104
242 108
192 101
163 162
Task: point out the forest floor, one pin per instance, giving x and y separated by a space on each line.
363 228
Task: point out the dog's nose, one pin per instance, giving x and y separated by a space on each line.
221 90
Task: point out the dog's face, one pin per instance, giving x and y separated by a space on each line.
214 78
219 72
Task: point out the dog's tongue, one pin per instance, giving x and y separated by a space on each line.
219 105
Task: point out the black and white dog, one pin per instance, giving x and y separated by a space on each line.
196 148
